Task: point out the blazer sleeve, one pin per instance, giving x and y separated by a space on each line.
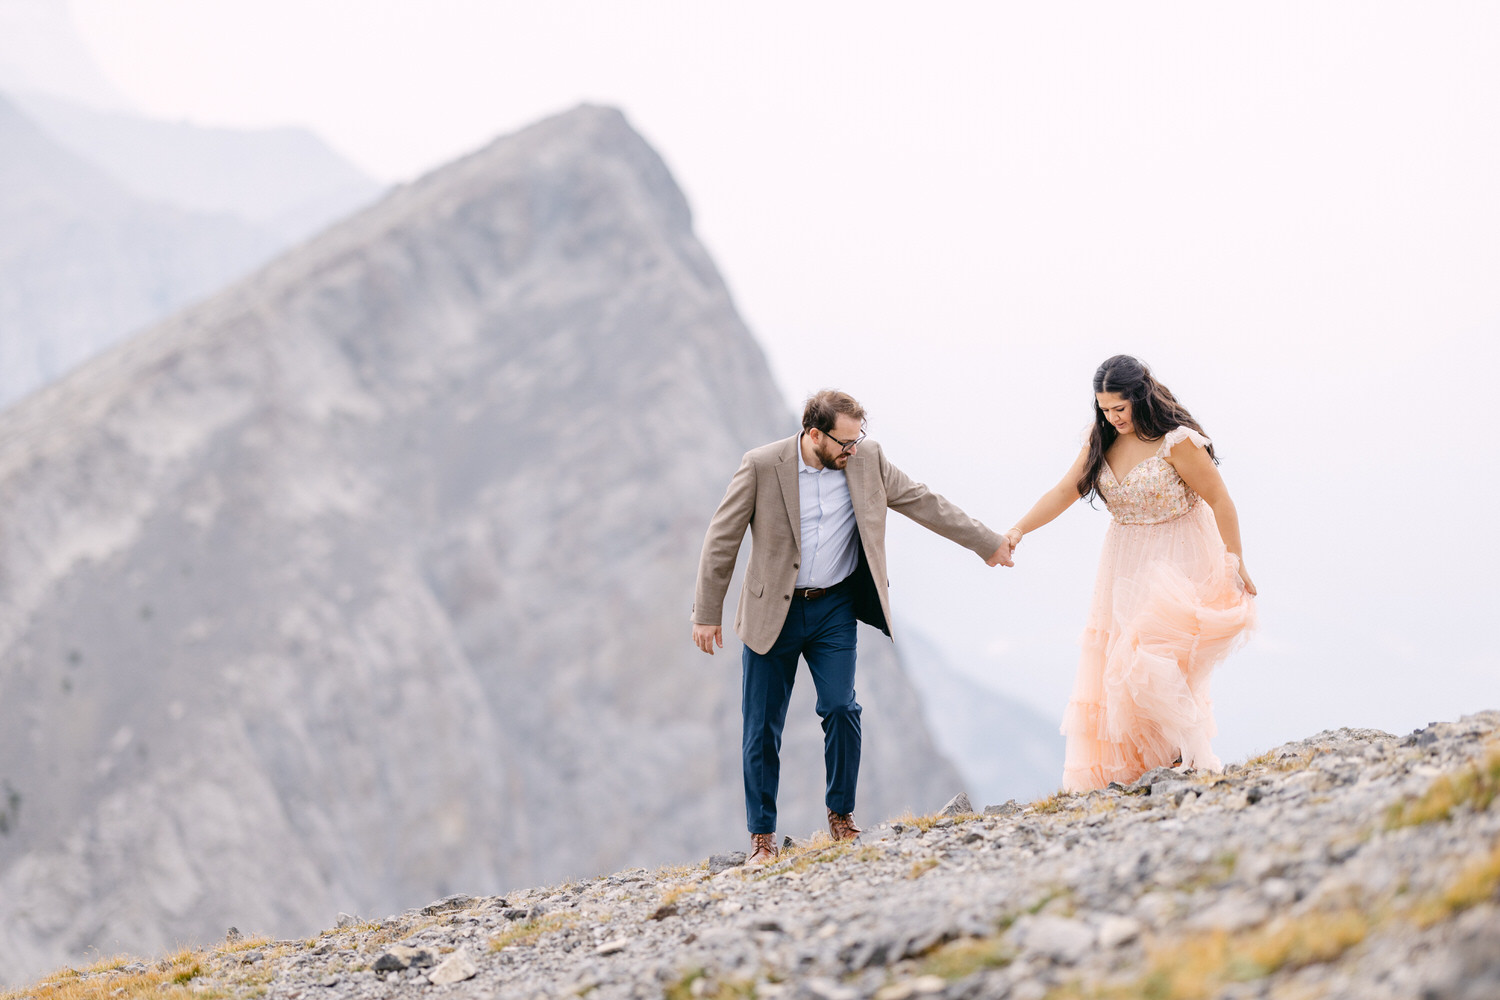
934 512
721 547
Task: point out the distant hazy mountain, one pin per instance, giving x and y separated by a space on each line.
368 579
285 181
83 262
42 52
110 221
1003 749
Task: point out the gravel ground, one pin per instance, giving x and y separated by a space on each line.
1354 864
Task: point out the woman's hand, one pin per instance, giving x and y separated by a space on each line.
1015 536
1245 580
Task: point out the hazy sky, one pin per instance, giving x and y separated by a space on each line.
956 211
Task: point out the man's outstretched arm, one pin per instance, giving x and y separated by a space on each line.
936 513
721 546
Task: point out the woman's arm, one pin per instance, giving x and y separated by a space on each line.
1052 503
1202 477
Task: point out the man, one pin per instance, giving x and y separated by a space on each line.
815 505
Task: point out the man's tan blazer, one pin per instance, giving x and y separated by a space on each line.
763 497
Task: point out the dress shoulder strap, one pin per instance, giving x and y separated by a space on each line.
1177 434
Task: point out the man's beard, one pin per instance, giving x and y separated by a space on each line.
837 460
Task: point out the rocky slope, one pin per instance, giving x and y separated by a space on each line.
368 579
1353 865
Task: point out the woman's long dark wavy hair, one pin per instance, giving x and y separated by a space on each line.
1153 410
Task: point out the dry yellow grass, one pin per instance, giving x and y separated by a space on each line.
1271 760
1198 966
167 979
1056 802
1476 883
817 850
729 989
925 823
920 868
1476 786
377 933
958 959
669 899
675 893
529 931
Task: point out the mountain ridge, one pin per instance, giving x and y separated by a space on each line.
286 181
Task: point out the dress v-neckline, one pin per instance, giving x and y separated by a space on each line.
1121 480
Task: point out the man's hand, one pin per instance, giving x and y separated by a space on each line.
1002 554
705 637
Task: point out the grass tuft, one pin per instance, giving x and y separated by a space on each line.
1056 802
1199 966
668 905
698 983
1476 786
925 823
107 980
1274 761
819 850
1477 883
920 868
529 931
958 959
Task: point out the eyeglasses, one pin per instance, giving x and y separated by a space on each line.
845 445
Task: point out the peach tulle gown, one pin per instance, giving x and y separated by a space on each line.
1168 607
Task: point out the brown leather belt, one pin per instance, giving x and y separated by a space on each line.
813 593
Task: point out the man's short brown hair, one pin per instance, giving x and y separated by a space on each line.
824 407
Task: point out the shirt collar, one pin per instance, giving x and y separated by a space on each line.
802 465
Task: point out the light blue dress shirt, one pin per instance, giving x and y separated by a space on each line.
829 533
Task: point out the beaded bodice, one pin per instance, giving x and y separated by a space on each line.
1152 492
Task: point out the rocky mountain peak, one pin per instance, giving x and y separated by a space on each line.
367 579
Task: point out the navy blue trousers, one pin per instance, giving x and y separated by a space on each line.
823 632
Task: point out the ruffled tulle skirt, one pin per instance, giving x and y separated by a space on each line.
1168 607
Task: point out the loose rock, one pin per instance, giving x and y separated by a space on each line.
1067 898
454 969
959 805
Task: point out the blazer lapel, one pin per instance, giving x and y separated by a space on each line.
786 471
855 474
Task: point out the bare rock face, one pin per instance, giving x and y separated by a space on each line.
367 581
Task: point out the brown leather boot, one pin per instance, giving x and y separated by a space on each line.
762 849
842 826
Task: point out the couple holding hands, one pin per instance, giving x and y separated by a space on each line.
1171 599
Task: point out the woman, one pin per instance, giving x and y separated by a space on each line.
1172 595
